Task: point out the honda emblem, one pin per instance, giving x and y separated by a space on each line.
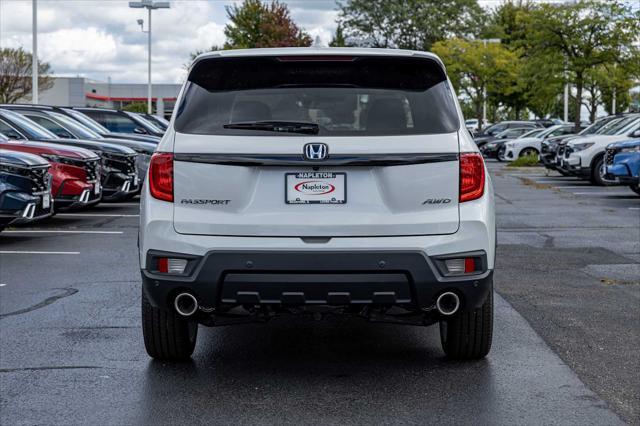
316 151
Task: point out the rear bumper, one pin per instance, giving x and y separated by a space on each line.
227 278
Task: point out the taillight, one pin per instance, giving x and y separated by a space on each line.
471 176
161 176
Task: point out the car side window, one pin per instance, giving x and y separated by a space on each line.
9 131
51 125
119 123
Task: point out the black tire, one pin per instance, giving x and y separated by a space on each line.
635 188
167 336
500 154
597 172
468 335
529 152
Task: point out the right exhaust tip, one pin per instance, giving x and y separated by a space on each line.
448 303
186 304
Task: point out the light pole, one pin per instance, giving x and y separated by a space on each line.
484 89
149 5
34 55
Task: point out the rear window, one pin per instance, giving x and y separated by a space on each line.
344 96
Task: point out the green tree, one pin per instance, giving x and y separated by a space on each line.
339 39
255 24
474 67
136 107
15 75
408 24
587 33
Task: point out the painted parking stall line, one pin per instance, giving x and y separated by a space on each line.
39 252
57 231
96 215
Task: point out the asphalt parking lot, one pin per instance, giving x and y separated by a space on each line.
567 331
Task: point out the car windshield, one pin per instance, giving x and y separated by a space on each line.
87 121
146 123
620 125
77 129
34 130
531 134
361 96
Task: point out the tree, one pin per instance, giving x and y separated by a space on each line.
339 39
474 67
256 24
15 75
136 107
408 24
588 33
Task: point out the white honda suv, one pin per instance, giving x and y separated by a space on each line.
317 181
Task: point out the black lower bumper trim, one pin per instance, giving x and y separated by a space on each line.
309 278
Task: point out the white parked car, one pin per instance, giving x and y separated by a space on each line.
304 185
525 146
584 157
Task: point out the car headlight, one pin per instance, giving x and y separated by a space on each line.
631 149
582 146
509 144
491 145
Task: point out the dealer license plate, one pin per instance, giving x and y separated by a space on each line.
46 201
315 188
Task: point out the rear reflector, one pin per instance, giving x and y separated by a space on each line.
167 265
161 176
461 266
471 176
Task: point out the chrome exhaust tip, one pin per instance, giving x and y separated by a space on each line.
29 211
448 303
84 197
185 304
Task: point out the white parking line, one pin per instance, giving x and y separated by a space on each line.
96 215
2 285
577 187
39 252
608 194
117 204
55 231
634 208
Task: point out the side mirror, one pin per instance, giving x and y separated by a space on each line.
140 131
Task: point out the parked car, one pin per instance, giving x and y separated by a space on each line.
490 132
550 146
75 172
67 128
622 162
494 148
272 200
160 122
121 121
118 172
90 123
25 188
531 145
512 133
584 157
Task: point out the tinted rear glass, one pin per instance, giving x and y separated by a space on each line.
359 96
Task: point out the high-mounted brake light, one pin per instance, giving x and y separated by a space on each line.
161 176
471 176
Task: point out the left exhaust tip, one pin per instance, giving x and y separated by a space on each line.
186 304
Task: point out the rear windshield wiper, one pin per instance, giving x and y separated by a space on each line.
276 126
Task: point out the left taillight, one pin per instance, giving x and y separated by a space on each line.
471 176
161 176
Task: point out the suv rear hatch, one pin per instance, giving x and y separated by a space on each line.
316 146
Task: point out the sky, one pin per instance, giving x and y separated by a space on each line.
99 39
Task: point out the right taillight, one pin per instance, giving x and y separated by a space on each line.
161 176
471 176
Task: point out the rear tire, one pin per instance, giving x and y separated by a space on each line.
167 336
468 335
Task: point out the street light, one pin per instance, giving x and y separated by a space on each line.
34 53
484 90
149 5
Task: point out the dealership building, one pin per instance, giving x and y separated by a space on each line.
80 91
